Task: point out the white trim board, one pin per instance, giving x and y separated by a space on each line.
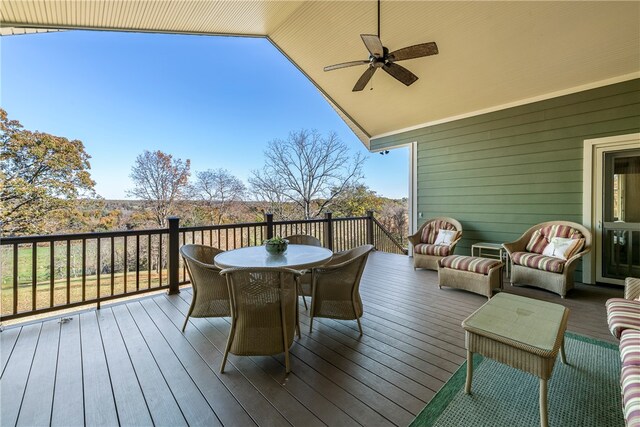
589 185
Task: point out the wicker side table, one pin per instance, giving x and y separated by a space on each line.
521 332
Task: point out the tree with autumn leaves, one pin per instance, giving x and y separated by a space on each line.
40 173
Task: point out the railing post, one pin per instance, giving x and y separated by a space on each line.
370 228
269 220
174 255
328 231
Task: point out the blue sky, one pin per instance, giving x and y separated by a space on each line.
214 100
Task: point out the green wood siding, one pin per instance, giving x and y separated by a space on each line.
502 172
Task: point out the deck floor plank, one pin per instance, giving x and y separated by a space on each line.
129 363
226 407
99 403
397 374
8 339
317 403
14 380
210 345
130 403
38 396
159 398
68 399
194 406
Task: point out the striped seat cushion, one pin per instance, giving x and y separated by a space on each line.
630 380
630 347
469 263
427 249
622 314
539 262
430 231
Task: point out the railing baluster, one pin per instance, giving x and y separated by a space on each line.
84 270
15 278
98 271
137 262
112 266
52 266
160 259
68 271
149 261
125 266
34 274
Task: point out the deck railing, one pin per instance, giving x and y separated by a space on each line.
40 274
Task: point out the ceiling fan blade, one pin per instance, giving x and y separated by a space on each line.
373 44
364 79
416 51
400 73
345 65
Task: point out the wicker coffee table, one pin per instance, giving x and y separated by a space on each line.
521 332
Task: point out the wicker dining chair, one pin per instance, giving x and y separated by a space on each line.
335 292
305 280
210 295
264 312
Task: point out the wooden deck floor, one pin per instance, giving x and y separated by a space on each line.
129 364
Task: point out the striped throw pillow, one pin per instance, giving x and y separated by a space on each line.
537 243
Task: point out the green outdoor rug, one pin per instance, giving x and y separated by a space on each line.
585 393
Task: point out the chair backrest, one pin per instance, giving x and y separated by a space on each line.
203 272
263 306
565 229
303 239
429 230
339 280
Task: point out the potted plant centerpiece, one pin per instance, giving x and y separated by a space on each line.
276 245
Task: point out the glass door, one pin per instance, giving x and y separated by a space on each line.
620 224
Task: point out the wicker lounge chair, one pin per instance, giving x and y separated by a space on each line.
530 267
305 280
210 295
264 312
425 253
336 287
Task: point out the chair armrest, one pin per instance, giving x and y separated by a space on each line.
331 266
518 246
415 238
453 244
572 262
631 288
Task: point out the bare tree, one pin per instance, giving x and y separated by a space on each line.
219 190
161 180
307 170
394 216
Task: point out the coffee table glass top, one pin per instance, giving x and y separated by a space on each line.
488 245
296 257
525 320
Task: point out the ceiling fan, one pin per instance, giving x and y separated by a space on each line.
380 57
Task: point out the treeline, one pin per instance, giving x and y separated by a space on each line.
98 215
46 187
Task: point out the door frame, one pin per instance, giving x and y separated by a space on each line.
593 153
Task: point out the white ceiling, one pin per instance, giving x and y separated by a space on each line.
492 54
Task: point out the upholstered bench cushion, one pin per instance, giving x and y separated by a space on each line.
469 263
622 314
427 249
630 348
539 262
630 380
